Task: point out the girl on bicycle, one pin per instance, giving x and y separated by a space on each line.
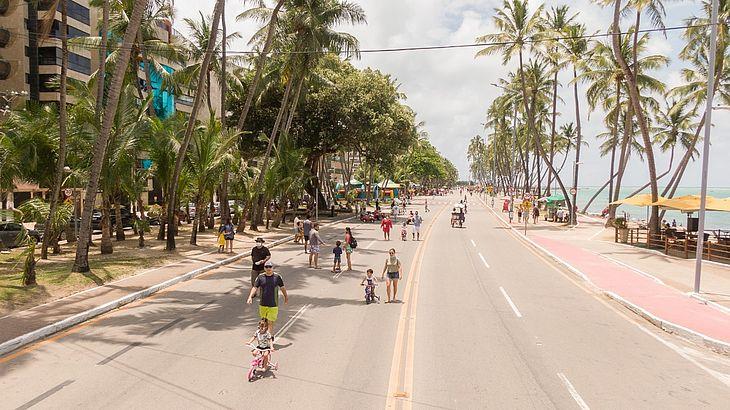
264 341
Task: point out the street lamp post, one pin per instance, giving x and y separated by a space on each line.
706 145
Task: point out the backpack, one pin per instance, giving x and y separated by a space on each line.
353 242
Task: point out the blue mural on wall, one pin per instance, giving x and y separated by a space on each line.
163 101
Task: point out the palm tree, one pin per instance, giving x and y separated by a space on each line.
162 146
261 60
556 21
672 126
606 85
638 111
576 48
217 10
104 29
694 90
307 25
209 150
81 262
200 34
517 27
62 115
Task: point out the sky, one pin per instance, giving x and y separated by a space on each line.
450 89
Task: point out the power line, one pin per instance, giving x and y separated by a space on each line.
534 40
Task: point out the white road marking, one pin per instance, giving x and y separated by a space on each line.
472 243
573 392
291 320
596 234
509 300
484 260
370 244
627 266
722 377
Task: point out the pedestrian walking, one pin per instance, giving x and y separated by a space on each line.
417 221
386 224
260 255
296 229
267 283
306 229
350 245
394 270
315 242
425 205
535 214
228 231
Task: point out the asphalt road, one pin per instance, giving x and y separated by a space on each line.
485 323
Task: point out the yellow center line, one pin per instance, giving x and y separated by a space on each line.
406 331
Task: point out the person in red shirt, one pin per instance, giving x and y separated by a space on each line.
386 224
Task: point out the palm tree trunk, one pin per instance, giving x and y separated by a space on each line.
598 192
579 138
641 118
196 220
81 262
259 203
62 131
552 128
293 109
669 169
119 225
225 209
614 139
207 94
623 159
211 214
172 196
260 63
106 229
101 74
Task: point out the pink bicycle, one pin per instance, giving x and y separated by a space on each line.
258 361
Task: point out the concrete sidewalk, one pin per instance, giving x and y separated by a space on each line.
20 323
654 285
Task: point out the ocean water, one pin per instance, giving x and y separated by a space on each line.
714 220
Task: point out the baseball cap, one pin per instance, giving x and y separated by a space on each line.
268 264
260 240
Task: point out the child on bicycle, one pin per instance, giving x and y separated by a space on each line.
370 282
264 341
337 250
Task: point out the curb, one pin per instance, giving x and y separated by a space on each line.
665 325
42 333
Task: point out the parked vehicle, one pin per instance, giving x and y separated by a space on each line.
9 232
126 218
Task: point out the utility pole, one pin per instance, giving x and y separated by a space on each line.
706 145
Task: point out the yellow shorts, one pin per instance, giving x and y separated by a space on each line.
268 312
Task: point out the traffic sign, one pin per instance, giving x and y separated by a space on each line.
67 191
573 191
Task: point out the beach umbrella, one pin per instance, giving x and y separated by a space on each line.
638 200
691 203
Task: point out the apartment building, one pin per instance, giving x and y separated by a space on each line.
21 70
20 32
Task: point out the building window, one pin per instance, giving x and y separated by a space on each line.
55 30
79 63
74 10
53 56
78 12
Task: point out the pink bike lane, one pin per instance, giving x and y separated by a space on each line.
662 302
